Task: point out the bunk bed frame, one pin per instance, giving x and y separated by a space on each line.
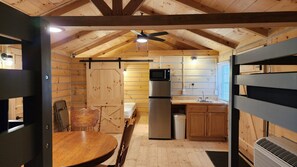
270 96
30 143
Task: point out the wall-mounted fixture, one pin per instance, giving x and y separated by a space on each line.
125 71
55 29
194 59
7 59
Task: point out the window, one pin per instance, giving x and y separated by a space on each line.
223 80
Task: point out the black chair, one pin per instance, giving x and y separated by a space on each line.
125 141
61 115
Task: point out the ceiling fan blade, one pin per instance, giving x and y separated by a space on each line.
156 39
158 33
136 32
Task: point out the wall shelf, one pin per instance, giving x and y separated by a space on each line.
270 96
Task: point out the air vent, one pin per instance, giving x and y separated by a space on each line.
274 153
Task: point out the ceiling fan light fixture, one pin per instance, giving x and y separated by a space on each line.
141 39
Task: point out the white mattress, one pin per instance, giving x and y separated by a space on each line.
129 109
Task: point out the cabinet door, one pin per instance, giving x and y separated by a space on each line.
217 124
196 124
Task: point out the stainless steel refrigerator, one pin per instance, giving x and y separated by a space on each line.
159 110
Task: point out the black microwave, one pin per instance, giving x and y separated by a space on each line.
159 74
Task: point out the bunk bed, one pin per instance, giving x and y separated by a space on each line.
270 96
29 144
129 110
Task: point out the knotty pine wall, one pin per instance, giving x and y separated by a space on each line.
189 79
78 85
136 87
251 127
61 78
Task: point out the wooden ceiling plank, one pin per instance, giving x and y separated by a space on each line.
187 42
117 50
219 40
183 53
132 7
260 31
121 53
101 41
117 7
102 7
67 8
113 48
70 38
199 6
191 21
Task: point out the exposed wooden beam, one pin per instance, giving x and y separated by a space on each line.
123 53
101 41
70 38
102 7
180 39
191 21
67 8
202 33
117 7
187 42
199 6
129 41
132 7
217 39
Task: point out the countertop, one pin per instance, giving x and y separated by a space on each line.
180 102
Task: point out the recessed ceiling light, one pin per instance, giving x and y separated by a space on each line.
55 29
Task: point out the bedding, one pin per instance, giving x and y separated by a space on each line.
129 109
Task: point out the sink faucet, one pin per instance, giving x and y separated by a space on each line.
203 99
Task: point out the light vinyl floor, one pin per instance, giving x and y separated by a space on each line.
166 153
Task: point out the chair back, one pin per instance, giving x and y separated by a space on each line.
84 119
61 115
125 141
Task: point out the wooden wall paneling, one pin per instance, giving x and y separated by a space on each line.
61 80
136 89
202 75
78 85
105 91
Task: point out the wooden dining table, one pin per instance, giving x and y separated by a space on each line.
82 148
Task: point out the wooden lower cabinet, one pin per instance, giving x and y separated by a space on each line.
206 122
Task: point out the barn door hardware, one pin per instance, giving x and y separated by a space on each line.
90 60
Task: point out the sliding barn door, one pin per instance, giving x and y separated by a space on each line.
105 91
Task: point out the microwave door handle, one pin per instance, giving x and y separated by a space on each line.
164 74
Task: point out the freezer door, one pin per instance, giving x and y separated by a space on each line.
160 118
159 89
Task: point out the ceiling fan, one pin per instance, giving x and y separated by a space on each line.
143 38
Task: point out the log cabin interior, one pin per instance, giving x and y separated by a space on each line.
230 64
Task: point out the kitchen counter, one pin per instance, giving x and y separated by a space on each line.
206 121
185 102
